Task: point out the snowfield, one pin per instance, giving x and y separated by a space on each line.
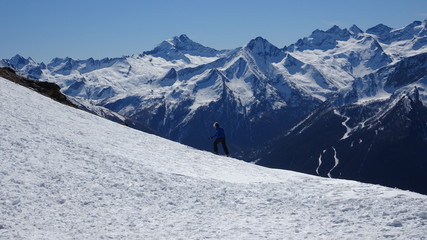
67 174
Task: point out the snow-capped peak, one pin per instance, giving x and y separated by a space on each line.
258 41
177 47
26 66
388 35
415 29
178 42
379 30
416 26
180 39
322 40
355 30
335 30
19 61
261 47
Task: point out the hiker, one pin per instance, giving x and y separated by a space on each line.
219 138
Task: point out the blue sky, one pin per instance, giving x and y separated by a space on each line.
105 28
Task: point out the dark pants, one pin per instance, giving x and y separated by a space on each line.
224 146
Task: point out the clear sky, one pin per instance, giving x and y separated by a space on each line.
81 29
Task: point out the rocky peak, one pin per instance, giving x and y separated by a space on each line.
176 47
323 40
355 30
335 30
261 47
19 62
379 30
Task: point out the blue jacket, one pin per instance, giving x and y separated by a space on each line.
219 133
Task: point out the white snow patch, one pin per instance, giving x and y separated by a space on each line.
198 60
380 96
402 49
243 90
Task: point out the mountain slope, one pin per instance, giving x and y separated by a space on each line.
69 174
376 132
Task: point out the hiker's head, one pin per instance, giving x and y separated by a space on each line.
216 124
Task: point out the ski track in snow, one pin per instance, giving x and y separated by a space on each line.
320 162
67 174
348 129
337 161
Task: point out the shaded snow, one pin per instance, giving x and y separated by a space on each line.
67 174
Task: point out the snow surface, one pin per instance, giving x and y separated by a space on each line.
67 174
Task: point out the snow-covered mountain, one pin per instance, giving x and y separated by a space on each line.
403 42
67 174
375 132
258 92
183 48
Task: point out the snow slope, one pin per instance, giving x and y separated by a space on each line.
67 174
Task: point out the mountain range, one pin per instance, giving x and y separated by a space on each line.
342 103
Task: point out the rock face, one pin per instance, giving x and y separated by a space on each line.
335 84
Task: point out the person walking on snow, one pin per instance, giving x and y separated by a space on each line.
219 138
